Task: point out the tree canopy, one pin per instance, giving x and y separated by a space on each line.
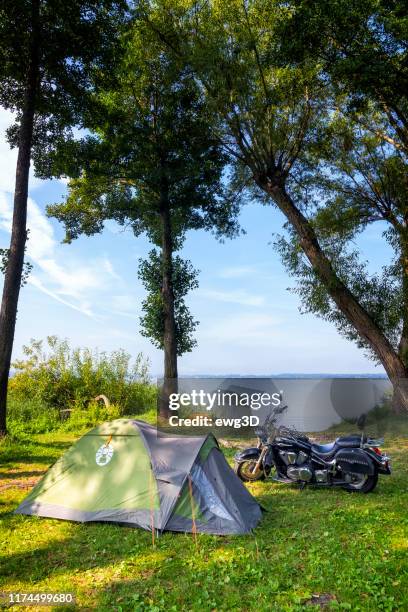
151 134
47 50
311 130
152 163
360 166
73 39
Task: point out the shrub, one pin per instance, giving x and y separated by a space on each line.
58 378
94 414
31 416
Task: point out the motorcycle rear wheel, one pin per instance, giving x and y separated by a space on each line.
244 471
362 484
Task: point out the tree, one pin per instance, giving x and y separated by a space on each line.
184 279
151 163
46 50
362 49
274 114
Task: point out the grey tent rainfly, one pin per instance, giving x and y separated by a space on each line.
128 472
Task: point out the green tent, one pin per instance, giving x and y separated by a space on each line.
128 472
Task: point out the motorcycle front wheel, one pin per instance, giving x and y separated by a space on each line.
245 471
362 483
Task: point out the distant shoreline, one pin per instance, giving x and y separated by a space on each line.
285 375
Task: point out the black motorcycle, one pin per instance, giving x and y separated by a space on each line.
351 462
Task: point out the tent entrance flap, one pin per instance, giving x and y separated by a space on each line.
223 505
172 459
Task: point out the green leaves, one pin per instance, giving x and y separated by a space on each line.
184 279
27 267
151 132
152 152
74 39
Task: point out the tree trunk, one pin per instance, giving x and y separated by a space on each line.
169 340
340 294
400 395
12 279
403 344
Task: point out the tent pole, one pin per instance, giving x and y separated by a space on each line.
194 526
151 507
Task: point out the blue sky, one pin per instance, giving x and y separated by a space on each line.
89 292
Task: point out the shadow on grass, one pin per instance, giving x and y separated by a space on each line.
33 452
117 567
15 475
44 460
303 527
56 444
86 546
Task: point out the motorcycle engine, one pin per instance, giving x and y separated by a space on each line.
303 472
297 468
292 458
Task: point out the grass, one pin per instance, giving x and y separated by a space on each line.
315 549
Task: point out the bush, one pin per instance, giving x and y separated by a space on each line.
94 414
59 378
31 416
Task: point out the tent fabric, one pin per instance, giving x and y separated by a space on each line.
172 458
221 509
128 472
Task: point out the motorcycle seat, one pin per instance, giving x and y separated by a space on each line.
352 441
323 449
349 441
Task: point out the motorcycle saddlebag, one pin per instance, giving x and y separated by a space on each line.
354 460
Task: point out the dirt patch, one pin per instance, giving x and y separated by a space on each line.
323 600
19 484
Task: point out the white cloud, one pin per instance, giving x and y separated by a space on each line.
238 296
71 278
245 328
84 307
108 267
237 271
6 213
41 242
7 156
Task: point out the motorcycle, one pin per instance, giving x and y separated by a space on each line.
351 462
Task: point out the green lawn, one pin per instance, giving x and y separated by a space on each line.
315 549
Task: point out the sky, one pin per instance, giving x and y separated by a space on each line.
89 293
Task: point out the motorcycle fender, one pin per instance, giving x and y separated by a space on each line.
269 460
252 453
383 467
355 460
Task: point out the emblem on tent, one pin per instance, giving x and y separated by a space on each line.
104 454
